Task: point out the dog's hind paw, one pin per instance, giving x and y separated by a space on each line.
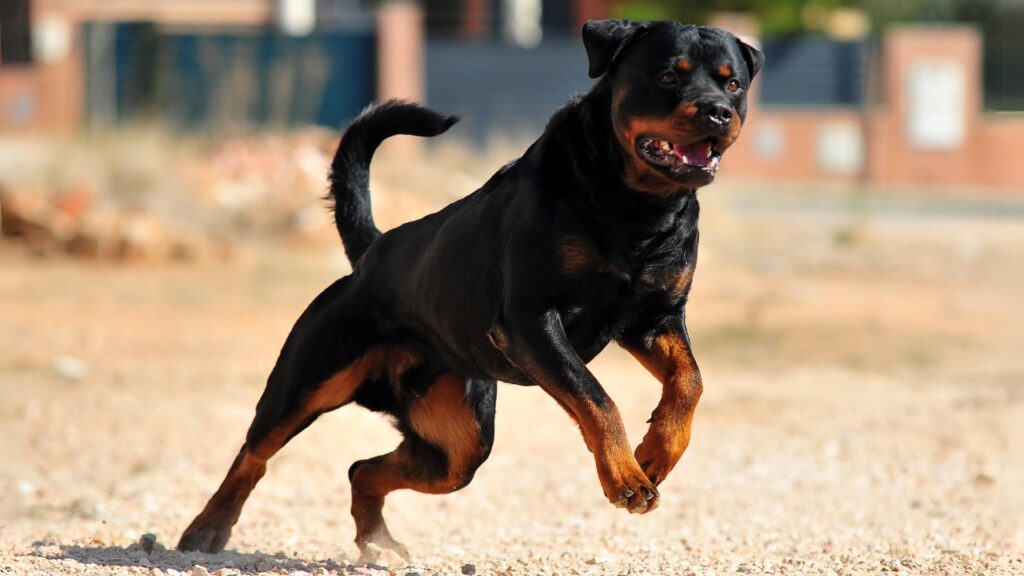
391 553
208 539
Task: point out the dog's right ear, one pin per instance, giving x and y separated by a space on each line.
605 41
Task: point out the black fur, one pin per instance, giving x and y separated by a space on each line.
577 243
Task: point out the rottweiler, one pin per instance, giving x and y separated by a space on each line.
589 237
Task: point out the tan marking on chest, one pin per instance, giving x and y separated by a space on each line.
575 254
674 282
682 281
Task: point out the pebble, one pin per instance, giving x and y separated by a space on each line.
198 570
147 541
468 569
70 367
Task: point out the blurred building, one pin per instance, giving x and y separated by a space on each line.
215 63
190 63
911 106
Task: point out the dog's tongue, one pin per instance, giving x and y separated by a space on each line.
695 154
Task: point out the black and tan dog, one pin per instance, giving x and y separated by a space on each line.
590 237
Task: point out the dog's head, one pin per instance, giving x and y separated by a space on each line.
679 97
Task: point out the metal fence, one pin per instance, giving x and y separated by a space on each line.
814 72
501 89
224 77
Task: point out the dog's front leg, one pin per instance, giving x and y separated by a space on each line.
539 347
666 354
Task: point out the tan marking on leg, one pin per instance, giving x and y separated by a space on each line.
442 418
670 361
623 481
337 391
211 529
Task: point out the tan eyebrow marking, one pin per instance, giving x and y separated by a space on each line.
724 71
684 65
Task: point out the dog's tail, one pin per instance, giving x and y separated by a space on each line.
350 170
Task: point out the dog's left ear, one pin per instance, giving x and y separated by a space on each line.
605 41
752 56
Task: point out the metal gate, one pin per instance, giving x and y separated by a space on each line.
198 79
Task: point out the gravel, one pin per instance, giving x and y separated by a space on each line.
856 420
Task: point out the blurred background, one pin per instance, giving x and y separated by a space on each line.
858 94
857 313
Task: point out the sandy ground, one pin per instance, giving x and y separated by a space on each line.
863 413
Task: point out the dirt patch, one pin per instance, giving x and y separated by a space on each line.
862 414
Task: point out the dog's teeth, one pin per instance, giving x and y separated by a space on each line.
685 160
666 146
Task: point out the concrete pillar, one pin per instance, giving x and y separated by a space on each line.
928 131
589 10
401 62
401 48
475 18
745 152
744 26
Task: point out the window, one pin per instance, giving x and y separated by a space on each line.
15 39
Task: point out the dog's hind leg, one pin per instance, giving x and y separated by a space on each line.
448 435
210 530
322 364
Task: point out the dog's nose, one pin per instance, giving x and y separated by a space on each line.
718 113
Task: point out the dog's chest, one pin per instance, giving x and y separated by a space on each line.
619 292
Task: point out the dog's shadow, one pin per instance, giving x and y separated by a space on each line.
164 559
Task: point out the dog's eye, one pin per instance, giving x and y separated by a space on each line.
733 85
668 79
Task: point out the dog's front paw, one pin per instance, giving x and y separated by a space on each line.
655 459
627 486
660 451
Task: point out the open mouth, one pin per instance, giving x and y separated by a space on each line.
700 158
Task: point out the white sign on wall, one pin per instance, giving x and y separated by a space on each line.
840 147
936 105
296 17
